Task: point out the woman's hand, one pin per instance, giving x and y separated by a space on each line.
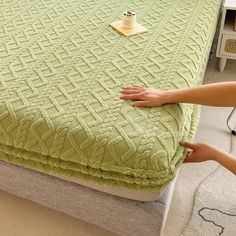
209 94
200 152
146 97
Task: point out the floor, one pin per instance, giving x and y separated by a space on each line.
20 217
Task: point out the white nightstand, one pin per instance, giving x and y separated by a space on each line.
226 47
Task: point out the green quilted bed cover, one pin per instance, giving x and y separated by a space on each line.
61 70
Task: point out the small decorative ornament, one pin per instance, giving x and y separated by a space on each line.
129 20
128 25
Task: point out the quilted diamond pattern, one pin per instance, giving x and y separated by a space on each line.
61 68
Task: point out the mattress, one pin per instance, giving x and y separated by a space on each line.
62 67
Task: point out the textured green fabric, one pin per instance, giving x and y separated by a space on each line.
61 69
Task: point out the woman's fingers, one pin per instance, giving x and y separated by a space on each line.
188 157
152 97
188 145
130 91
136 96
133 89
140 104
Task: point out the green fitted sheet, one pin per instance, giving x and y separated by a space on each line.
61 70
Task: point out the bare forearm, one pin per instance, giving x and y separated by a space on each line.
217 94
226 160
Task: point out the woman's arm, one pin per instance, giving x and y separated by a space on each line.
202 152
217 94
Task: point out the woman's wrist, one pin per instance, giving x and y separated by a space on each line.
227 160
219 155
172 96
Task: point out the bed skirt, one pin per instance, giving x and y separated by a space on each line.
119 215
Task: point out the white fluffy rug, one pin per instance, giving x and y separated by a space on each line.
214 210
